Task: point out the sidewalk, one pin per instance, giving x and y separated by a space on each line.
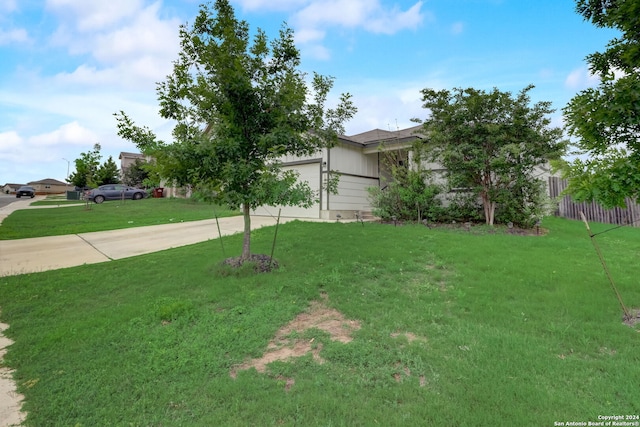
49 253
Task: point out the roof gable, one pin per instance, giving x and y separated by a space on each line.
376 137
47 181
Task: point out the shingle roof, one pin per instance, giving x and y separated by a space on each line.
47 181
377 136
131 155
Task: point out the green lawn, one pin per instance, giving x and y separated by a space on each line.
455 328
109 215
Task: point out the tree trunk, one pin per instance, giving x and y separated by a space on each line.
246 242
492 212
489 208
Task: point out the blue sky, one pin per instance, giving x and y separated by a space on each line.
67 65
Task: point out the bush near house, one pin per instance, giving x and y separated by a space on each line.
409 196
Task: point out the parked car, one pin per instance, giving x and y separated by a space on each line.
26 190
115 192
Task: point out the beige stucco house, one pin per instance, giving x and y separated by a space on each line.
50 186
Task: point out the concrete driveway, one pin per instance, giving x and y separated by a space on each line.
49 253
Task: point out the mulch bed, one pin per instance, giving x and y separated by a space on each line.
476 228
262 263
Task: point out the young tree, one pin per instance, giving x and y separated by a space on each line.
90 173
489 141
606 119
239 106
107 173
86 168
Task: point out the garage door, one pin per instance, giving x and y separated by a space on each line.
309 172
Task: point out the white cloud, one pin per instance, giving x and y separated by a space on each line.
390 22
18 35
91 16
368 14
312 19
580 79
147 34
28 154
70 133
8 5
9 141
387 105
252 5
307 35
135 54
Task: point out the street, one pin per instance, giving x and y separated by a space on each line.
5 199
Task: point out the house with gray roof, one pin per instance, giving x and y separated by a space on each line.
357 159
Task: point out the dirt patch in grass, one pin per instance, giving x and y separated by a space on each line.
10 399
287 344
410 336
634 319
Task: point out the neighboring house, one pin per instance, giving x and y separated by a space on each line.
358 159
49 186
128 159
11 188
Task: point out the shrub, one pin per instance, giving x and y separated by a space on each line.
409 196
461 207
523 203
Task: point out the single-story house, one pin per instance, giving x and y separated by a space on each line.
10 188
358 161
49 186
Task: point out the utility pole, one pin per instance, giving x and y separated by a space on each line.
68 163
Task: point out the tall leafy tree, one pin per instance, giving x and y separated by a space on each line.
490 142
239 105
606 119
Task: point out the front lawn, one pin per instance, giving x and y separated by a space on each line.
109 215
393 326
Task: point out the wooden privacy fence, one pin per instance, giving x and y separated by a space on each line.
593 211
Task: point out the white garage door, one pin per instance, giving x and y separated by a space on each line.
309 172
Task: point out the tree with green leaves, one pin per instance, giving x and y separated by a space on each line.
239 105
140 173
90 173
108 173
87 166
490 143
606 119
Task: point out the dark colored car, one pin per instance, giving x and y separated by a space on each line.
115 192
27 191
